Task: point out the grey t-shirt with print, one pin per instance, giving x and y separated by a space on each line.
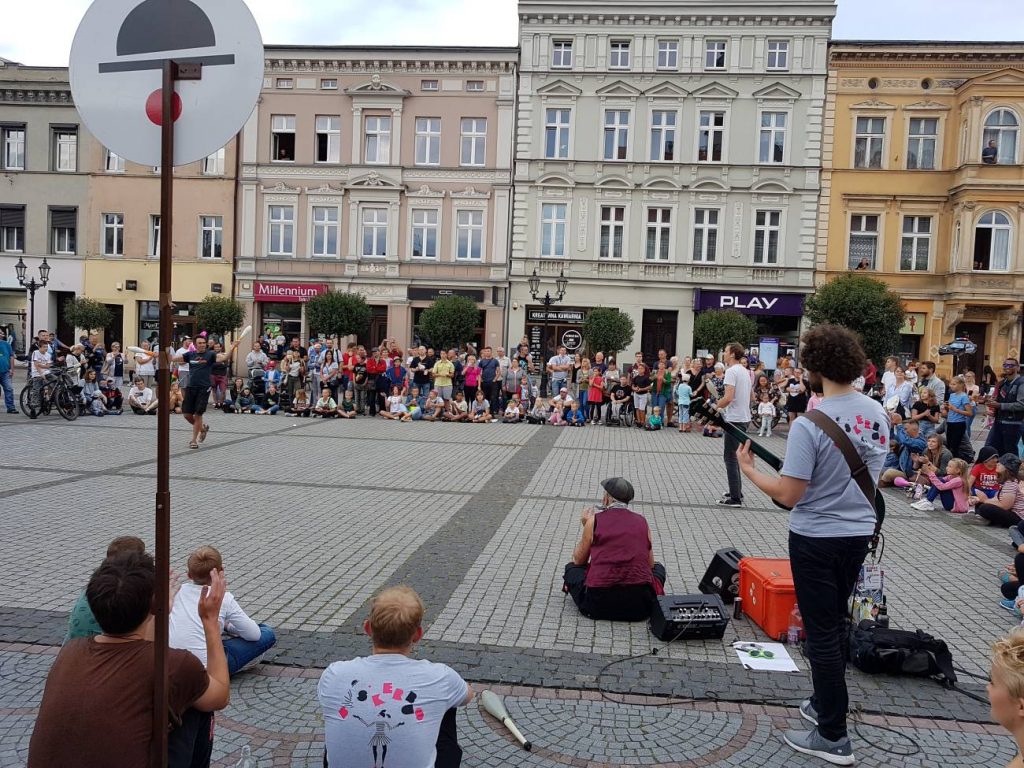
834 504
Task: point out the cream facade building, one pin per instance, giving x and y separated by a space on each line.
668 159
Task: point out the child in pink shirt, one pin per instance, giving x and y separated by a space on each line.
952 490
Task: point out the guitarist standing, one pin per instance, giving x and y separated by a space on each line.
735 408
831 524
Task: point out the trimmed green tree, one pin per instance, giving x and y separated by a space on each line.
713 329
864 305
88 314
219 315
607 330
449 321
339 313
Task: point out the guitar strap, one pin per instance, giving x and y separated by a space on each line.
858 469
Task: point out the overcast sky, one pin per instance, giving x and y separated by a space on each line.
41 32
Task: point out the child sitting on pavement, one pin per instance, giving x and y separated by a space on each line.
653 423
575 417
951 490
540 413
300 405
433 408
347 406
326 407
513 414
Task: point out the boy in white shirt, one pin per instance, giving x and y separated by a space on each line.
513 411
141 399
766 411
247 641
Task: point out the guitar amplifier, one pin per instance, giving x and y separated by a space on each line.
723 575
689 617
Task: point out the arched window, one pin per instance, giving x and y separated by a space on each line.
1000 141
992 242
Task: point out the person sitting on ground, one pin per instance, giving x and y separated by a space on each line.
899 462
433 408
1006 510
114 398
347 406
91 396
653 423
141 399
513 413
177 397
366 701
245 641
613 574
458 409
326 407
1006 689
271 401
245 403
300 405
98 698
562 401
480 410
81 622
985 475
417 402
540 413
575 416
396 410
952 489
234 392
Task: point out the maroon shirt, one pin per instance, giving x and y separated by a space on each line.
620 554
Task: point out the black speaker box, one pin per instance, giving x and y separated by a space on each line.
722 577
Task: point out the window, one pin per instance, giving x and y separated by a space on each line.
211 236
767 225
863 242
378 140
325 231
778 54
663 135
619 54
556 134
711 137
328 139
613 218
329 83
154 234
1001 127
425 229
12 229
561 54
428 141
65 149
113 234
375 232
282 138
772 144
705 234
213 165
921 144
992 243
916 245
616 134
474 140
469 235
869 142
552 229
474 86
714 54
659 231
282 230
429 85
668 54
285 82
63 230
14 147
113 163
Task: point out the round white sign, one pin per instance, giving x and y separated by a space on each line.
572 340
117 68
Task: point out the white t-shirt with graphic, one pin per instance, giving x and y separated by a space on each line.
386 700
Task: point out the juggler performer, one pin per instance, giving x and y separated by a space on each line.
197 393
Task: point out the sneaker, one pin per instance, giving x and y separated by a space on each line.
1011 606
728 501
813 743
923 506
12 410
1003 575
973 518
254 663
808 712
1016 536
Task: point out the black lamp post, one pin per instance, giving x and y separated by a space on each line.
547 300
32 286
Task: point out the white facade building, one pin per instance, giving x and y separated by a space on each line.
668 159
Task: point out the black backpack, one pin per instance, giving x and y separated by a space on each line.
875 649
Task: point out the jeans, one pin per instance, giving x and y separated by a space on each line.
946 497
955 431
732 465
5 383
190 745
626 603
1004 437
825 571
360 397
658 401
240 652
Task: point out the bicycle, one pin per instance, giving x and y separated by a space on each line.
58 391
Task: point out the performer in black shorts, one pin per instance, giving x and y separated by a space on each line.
197 393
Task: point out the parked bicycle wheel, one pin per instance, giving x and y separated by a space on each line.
24 399
67 405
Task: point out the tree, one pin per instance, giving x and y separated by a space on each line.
450 321
218 315
713 329
607 330
89 314
339 313
865 306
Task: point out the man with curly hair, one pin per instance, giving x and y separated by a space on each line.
830 526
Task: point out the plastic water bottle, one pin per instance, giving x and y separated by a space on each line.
796 625
247 760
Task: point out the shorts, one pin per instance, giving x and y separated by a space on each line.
640 401
684 414
196 399
990 492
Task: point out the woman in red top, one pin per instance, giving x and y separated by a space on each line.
595 396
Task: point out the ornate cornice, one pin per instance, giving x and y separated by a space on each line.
45 97
392 65
703 19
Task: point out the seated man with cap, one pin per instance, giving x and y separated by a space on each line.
613 574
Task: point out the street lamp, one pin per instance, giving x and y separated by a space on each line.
547 300
32 286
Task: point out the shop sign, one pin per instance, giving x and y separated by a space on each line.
751 302
433 294
572 340
286 292
569 316
913 324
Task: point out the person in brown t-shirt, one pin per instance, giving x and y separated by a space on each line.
97 706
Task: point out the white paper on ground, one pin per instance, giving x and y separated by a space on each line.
781 661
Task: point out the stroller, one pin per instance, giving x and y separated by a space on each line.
258 385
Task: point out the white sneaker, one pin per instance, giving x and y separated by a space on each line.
923 505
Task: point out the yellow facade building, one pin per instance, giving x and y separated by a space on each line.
923 187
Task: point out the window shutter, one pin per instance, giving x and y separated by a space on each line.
12 216
64 217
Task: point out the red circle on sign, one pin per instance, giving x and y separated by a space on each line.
155 107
